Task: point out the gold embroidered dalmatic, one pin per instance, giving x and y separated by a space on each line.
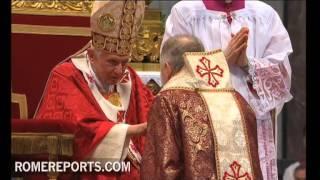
200 128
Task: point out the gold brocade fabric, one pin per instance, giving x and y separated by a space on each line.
180 143
200 127
115 25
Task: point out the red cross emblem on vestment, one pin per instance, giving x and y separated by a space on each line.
120 116
90 78
125 78
235 167
205 70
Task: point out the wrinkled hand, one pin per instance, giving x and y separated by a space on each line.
137 129
236 47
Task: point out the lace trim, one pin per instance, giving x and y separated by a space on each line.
269 83
267 151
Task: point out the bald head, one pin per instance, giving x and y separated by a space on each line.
174 48
171 59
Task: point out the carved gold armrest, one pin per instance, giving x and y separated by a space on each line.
21 99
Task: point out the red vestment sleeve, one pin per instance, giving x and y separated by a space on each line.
162 156
68 97
140 102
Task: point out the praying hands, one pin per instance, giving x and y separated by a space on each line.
235 52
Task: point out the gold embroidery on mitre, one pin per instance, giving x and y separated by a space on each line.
139 23
122 44
98 40
130 7
126 28
106 22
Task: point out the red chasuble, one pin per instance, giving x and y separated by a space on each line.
68 97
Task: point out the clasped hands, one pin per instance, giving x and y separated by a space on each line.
235 52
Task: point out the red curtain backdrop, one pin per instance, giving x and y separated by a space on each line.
34 55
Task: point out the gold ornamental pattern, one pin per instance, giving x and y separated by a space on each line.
145 48
78 6
54 5
123 44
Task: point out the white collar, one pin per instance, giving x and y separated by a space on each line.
123 87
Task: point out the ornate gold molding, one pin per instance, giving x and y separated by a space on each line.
50 30
146 49
52 7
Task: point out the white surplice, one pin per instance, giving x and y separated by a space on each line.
268 49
